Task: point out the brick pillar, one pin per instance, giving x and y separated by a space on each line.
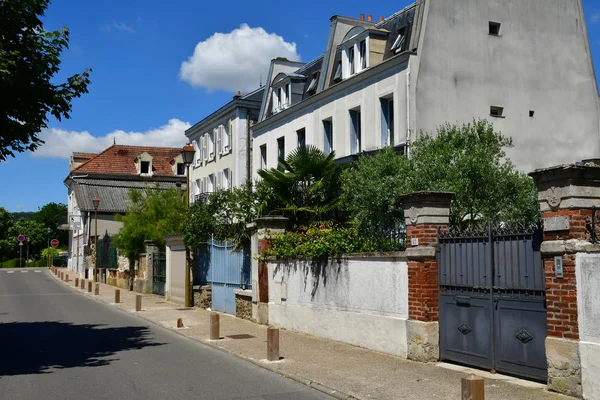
566 195
262 229
424 213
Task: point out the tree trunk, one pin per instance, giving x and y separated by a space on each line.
131 272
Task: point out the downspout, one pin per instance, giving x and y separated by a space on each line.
407 139
89 227
248 149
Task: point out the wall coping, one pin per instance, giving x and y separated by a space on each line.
243 292
349 256
570 246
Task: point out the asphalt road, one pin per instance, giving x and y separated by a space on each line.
58 344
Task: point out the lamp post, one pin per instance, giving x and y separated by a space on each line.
96 201
187 153
49 232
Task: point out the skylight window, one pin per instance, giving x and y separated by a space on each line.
313 83
338 73
400 40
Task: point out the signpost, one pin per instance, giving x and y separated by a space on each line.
20 238
54 243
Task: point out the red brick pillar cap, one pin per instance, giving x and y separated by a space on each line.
427 208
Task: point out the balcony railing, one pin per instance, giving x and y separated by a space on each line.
201 198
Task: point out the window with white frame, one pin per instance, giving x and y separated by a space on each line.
400 44
355 132
219 180
387 121
198 186
220 139
328 136
227 137
226 179
211 183
211 145
205 147
362 53
312 86
355 57
263 156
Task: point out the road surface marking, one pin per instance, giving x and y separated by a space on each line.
10 272
24 272
37 271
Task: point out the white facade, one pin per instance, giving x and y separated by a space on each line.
361 301
222 144
526 67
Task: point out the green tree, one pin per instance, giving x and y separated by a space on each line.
52 215
6 222
35 236
469 160
153 213
29 61
306 188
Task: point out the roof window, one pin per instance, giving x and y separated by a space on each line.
313 83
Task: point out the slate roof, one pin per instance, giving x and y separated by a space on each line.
120 159
113 194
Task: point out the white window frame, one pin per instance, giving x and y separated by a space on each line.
355 131
219 180
227 137
211 183
211 145
205 147
226 179
352 61
220 139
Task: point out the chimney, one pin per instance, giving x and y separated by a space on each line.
362 17
381 19
370 18
238 94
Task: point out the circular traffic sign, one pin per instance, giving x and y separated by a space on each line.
54 242
21 238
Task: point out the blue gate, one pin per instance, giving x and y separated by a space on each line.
225 270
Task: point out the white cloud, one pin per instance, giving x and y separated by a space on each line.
236 60
118 25
61 143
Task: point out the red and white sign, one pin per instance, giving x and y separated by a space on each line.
54 242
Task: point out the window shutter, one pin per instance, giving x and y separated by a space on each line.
227 137
204 146
211 145
220 139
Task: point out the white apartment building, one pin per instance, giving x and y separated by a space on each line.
525 66
222 142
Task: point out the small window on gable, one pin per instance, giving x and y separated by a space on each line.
496 111
180 169
531 112
145 167
494 28
313 83
338 73
400 40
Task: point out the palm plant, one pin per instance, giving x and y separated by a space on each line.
306 187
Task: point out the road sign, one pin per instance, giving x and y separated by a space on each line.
21 238
20 243
54 242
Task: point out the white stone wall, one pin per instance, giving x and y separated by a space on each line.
361 301
175 279
588 305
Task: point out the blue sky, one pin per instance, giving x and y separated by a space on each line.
149 83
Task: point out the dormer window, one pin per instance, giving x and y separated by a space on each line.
143 164
350 56
400 42
313 82
145 167
282 96
180 169
355 56
362 48
338 73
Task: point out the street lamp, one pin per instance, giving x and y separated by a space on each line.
96 201
49 232
187 153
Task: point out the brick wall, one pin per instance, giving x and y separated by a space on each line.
561 299
423 296
263 272
577 220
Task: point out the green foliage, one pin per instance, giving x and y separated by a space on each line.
52 215
225 215
469 160
307 188
29 62
320 240
49 252
35 234
153 214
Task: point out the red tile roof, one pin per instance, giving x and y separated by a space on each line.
77 154
120 159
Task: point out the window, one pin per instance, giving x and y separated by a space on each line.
328 133
362 47
211 145
399 43
387 122
494 28
288 95
205 147
220 131
226 179
313 83
280 151
531 112
180 169
145 167
211 183
227 137
263 156
338 73
351 68
497 111
197 155
301 133
355 133
199 188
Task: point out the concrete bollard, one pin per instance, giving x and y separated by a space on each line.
472 388
272 344
138 302
97 289
117 296
215 326
82 284
179 322
62 276
76 281
89 286
66 277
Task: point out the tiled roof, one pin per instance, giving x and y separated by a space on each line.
77 154
120 159
113 194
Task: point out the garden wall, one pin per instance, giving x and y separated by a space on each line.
361 300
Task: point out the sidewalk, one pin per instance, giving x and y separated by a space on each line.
341 370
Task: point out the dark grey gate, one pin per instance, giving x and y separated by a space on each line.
492 300
159 273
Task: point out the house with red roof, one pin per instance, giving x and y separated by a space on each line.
110 175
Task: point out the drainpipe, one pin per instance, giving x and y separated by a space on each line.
89 227
407 139
248 166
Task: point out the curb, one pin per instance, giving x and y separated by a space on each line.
336 394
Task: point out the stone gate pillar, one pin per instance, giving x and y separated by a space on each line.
262 229
424 213
566 195
151 252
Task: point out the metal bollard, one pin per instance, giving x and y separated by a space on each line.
97 289
472 388
117 296
76 281
138 302
89 286
272 344
179 322
215 326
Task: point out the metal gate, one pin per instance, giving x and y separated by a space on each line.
492 300
226 270
159 273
